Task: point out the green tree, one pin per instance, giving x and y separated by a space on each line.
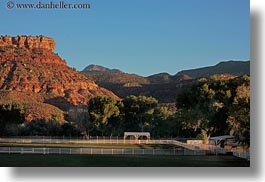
211 106
204 107
102 110
139 112
80 116
163 123
116 124
11 115
239 113
36 127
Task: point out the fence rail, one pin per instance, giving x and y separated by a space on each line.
97 151
45 140
245 155
189 149
211 149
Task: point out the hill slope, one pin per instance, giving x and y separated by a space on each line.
163 86
37 76
236 68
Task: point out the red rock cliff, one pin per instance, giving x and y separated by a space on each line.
29 48
29 42
32 74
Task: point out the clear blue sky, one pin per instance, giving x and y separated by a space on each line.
140 36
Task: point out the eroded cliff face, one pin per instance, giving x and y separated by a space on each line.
29 48
29 67
28 42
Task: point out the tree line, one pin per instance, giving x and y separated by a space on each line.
210 107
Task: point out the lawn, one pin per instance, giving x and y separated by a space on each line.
29 160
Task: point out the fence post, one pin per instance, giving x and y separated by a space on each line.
143 151
153 151
91 151
112 151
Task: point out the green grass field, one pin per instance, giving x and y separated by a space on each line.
18 160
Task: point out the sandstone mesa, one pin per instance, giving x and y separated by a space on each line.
29 42
32 74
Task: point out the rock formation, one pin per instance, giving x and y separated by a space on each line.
29 42
29 48
29 69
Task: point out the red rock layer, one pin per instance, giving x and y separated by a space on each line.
29 42
33 68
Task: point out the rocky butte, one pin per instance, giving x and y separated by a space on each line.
28 42
30 48
32 74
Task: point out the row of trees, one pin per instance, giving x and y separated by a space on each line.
106 116
210 107
217 107
12 122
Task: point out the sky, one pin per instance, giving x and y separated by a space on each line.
139 36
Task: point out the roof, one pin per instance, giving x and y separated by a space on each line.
224 137
136 133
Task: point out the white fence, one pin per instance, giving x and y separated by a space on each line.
95 140
191 149
97 151
245 155
211 149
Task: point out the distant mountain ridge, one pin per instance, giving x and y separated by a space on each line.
162 86
97 68
104 75
236 68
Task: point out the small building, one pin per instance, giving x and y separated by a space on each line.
221 140
137 135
